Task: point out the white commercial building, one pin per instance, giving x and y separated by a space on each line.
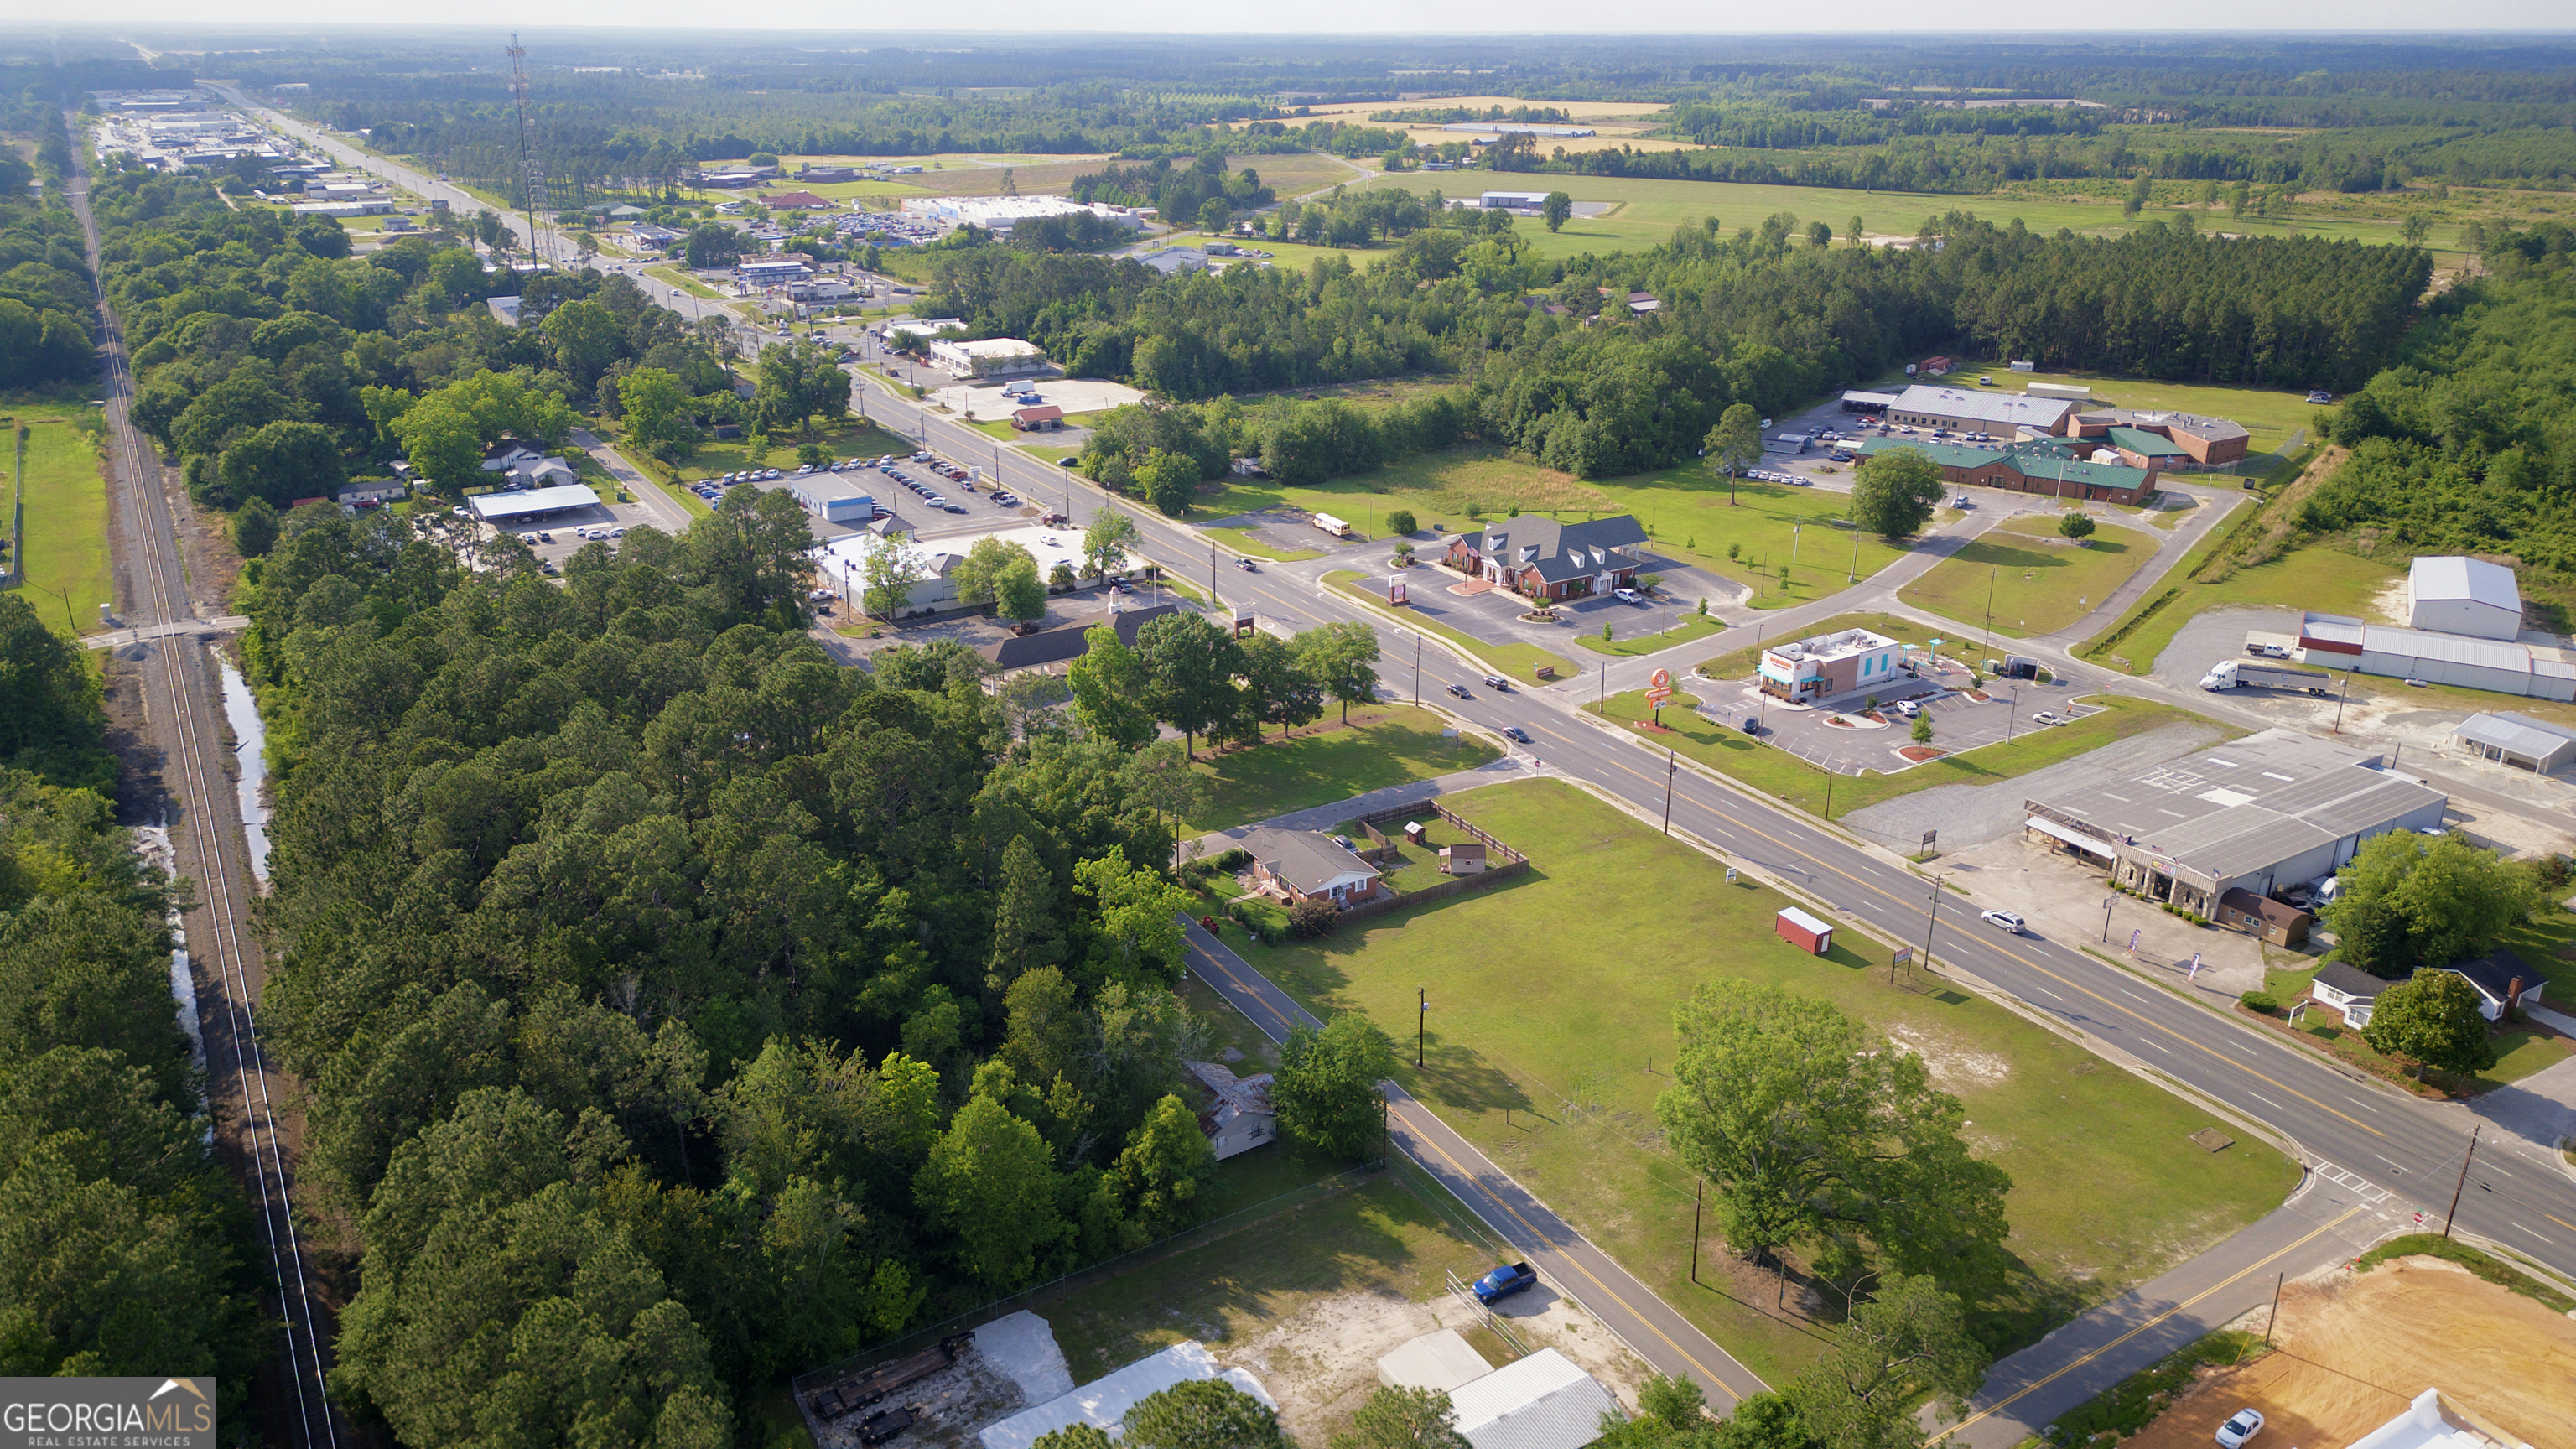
1922 406
999 214
991 357
844 560
2542 671
1104 1402
2463 596
1512 200
503 509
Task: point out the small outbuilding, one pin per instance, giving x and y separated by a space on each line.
1541 1402
2280 923
1467 857
2456 595
1235 1112
1045 418
2518 740
1441 1361
1804 931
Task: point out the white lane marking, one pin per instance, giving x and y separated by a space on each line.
2159 1046
2051 995
2365 1106
2391 1161
2544 1237
2133 996
2266 1101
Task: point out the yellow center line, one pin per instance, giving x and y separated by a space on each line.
2251 1268
2071 985
1569 1257
2555 1218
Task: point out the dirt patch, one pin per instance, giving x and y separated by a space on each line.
2355 1348
1953 1067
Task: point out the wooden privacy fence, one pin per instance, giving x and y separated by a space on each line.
1512 863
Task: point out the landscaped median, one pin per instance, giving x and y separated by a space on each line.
1550 1035
1515 661
1784 776
1695 627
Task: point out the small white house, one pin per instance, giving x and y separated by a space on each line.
1541 1402
2457 595
1235 1112
2502 979
2347 991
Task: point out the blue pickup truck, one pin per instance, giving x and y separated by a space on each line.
1502 1283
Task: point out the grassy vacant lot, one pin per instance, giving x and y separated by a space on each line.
2033 581
852 437
1547 1055
1778 773
1513 661
1684 509
1376 1238
1689 630
1241 541
1327 761
66 562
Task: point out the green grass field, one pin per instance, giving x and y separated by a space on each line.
1689 630
1383 745
1548 1060
67 559
2026 579
1513 661
1240 541
1780 774
2324 580
1685 510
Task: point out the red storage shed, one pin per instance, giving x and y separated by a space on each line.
1804 932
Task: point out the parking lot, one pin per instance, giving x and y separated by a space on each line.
560 535
904 491
1959 721
1493 615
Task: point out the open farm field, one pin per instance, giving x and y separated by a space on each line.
1554 1072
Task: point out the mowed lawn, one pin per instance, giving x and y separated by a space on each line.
1550 1026
1514 660
2324 580
1327 761
67 559
2026 580
1686 510
1778 773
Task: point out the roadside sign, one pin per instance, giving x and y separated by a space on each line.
1929 836
1659 688
2133 943
1730 875
1904 957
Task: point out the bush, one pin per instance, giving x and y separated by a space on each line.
1234 859
1400 521
1314 918
2259 1001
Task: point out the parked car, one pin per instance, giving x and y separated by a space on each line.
1963 501
2244 1425
1462 691
1908 708
1840 455
2267 651
954 507
1496 681
2321 396
1628 596
2049 717
1503 1282
2005 921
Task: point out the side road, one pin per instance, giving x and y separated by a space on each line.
1568 1261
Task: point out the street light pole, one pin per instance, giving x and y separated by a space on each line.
1421 1021
1672 767
1417 670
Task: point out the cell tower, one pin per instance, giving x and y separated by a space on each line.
532 169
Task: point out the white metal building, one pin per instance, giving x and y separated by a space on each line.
507 508
2513 739
1104 1401
991 357
833 498
1541 1402
2456 595
2506 667
1513 200
1923 406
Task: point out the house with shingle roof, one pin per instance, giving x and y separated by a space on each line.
1542 558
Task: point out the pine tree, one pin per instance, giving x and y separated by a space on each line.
1024 929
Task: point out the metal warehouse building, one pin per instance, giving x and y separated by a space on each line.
1921 406
2537 670
2513 739
2463 596
2274 808
504 509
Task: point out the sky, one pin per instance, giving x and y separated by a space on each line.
1420 17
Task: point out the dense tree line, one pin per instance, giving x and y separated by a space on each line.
2467 442
275 365
44 280
630 943
124 1246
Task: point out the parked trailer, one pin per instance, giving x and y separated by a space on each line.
2247 673
863 1389
1334 526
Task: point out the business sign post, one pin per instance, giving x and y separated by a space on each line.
165 1413
1659 689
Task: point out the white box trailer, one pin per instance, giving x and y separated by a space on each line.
2246 673
1334 526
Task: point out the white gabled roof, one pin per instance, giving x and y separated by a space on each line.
1104 1402
1541 1402
2472 580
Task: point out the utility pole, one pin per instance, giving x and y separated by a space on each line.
1672 767
2339 698
1991 575
2275 1320
1854 576
1417 670
1830 772
1421 1021
1696 1199
1931 914
2462 1185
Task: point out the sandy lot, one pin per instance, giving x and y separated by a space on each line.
2355 1349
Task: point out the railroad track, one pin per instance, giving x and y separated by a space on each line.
176 683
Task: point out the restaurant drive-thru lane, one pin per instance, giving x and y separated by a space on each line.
1564 1257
